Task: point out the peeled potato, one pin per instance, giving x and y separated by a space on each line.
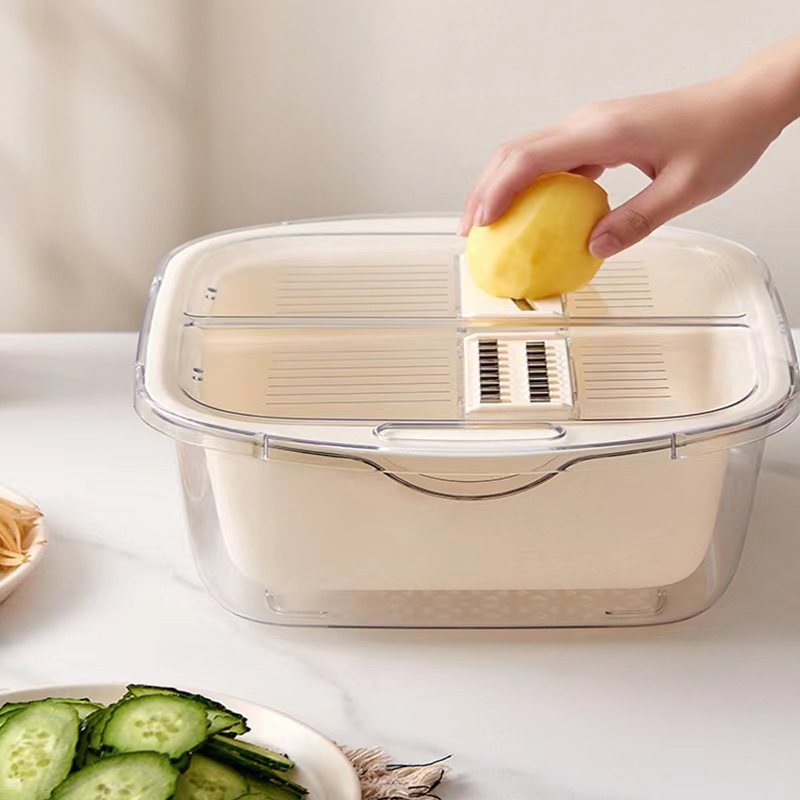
539 247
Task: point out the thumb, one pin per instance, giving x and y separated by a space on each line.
662 200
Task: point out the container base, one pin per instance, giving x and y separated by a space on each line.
561 608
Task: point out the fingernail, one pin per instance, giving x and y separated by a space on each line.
478 218
462 229
605 246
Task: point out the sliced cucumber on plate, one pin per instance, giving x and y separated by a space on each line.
159 723
155 743
239 753
220 719
206 779
136 776
37 748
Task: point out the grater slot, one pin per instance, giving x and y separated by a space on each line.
538 379
516 376
489 362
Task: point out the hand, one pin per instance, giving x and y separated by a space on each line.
694 144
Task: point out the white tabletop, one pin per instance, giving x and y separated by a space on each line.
709 708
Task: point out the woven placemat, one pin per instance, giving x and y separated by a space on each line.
381 779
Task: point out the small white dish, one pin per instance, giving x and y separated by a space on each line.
10 579
322 767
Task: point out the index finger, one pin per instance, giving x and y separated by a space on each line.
498 158
471 208
557 153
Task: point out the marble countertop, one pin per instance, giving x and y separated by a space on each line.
708 708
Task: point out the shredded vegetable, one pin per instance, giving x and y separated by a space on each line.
16 523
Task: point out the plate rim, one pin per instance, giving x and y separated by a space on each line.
352 792
36 550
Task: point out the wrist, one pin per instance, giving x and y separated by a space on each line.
768 84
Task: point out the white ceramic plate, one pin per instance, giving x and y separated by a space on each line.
322 767
10 579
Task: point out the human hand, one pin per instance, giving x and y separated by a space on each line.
693 143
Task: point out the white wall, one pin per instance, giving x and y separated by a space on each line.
338 106
98 140
128 126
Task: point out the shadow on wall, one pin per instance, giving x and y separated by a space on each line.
100 167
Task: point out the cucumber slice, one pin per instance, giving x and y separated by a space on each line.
209 780
132 776
220 719
278 780
95 727
246 750
236 758
83 708
90 740
142 689
267 792
226 722
82 750
182 764
161 723
37 748
6 717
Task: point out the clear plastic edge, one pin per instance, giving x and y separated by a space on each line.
253 443
419 459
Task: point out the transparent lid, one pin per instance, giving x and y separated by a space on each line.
353 336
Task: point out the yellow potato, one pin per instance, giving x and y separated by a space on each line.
539 247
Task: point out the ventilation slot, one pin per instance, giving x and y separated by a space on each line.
337 374
514 377
630 372
620 289
367 290
626 378
489 363
538 380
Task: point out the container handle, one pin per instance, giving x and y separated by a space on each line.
468 436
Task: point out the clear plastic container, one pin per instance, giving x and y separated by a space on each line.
365 438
